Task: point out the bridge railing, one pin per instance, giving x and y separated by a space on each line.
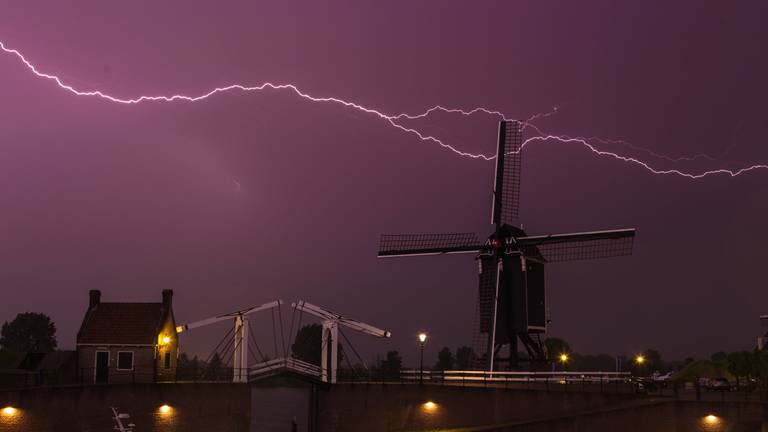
514 376
283 363
615 382
602 382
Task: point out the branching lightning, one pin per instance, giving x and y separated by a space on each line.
394 121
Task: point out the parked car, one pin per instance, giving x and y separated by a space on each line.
662 380
644 385
718 384
747 385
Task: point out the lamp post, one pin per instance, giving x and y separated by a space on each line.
422 340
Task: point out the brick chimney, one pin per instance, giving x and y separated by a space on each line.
167 298
94 298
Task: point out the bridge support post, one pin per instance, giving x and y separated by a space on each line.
240 355
330 352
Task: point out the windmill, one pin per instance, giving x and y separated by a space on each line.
511 294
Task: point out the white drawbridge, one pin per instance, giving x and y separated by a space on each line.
330 341
240 319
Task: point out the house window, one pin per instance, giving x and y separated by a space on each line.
167 361
125 360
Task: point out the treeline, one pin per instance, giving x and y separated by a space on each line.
195 369
28 332
745 368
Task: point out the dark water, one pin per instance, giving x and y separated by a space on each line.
376 408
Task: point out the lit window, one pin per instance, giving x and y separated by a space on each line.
125 360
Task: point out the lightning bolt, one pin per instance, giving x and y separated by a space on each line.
393 120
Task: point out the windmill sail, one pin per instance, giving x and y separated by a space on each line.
506 188
487 291
579 246
392 245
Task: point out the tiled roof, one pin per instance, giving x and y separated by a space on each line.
122 323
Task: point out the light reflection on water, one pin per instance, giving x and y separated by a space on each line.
287 409
11 417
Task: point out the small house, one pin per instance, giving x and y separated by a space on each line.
127 342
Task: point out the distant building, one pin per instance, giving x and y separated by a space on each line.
37 369
762 342
126 342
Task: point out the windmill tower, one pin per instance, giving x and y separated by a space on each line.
511 294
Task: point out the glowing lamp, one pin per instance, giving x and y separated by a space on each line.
640 359
166 340
9 411
563 357
712 419
422 337
165 409
430 406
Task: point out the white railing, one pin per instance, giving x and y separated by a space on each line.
284 363
504 376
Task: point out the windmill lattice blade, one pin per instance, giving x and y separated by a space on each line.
579 246
487 291
428 244
506 201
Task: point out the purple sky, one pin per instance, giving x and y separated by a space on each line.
135 199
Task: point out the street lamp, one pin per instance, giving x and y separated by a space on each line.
422 340
639 361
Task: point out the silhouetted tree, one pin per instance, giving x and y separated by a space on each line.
719 356
740 365
216 370
188 369
464 357
556 346
391 365
29 331
445 360
308 345
760 366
